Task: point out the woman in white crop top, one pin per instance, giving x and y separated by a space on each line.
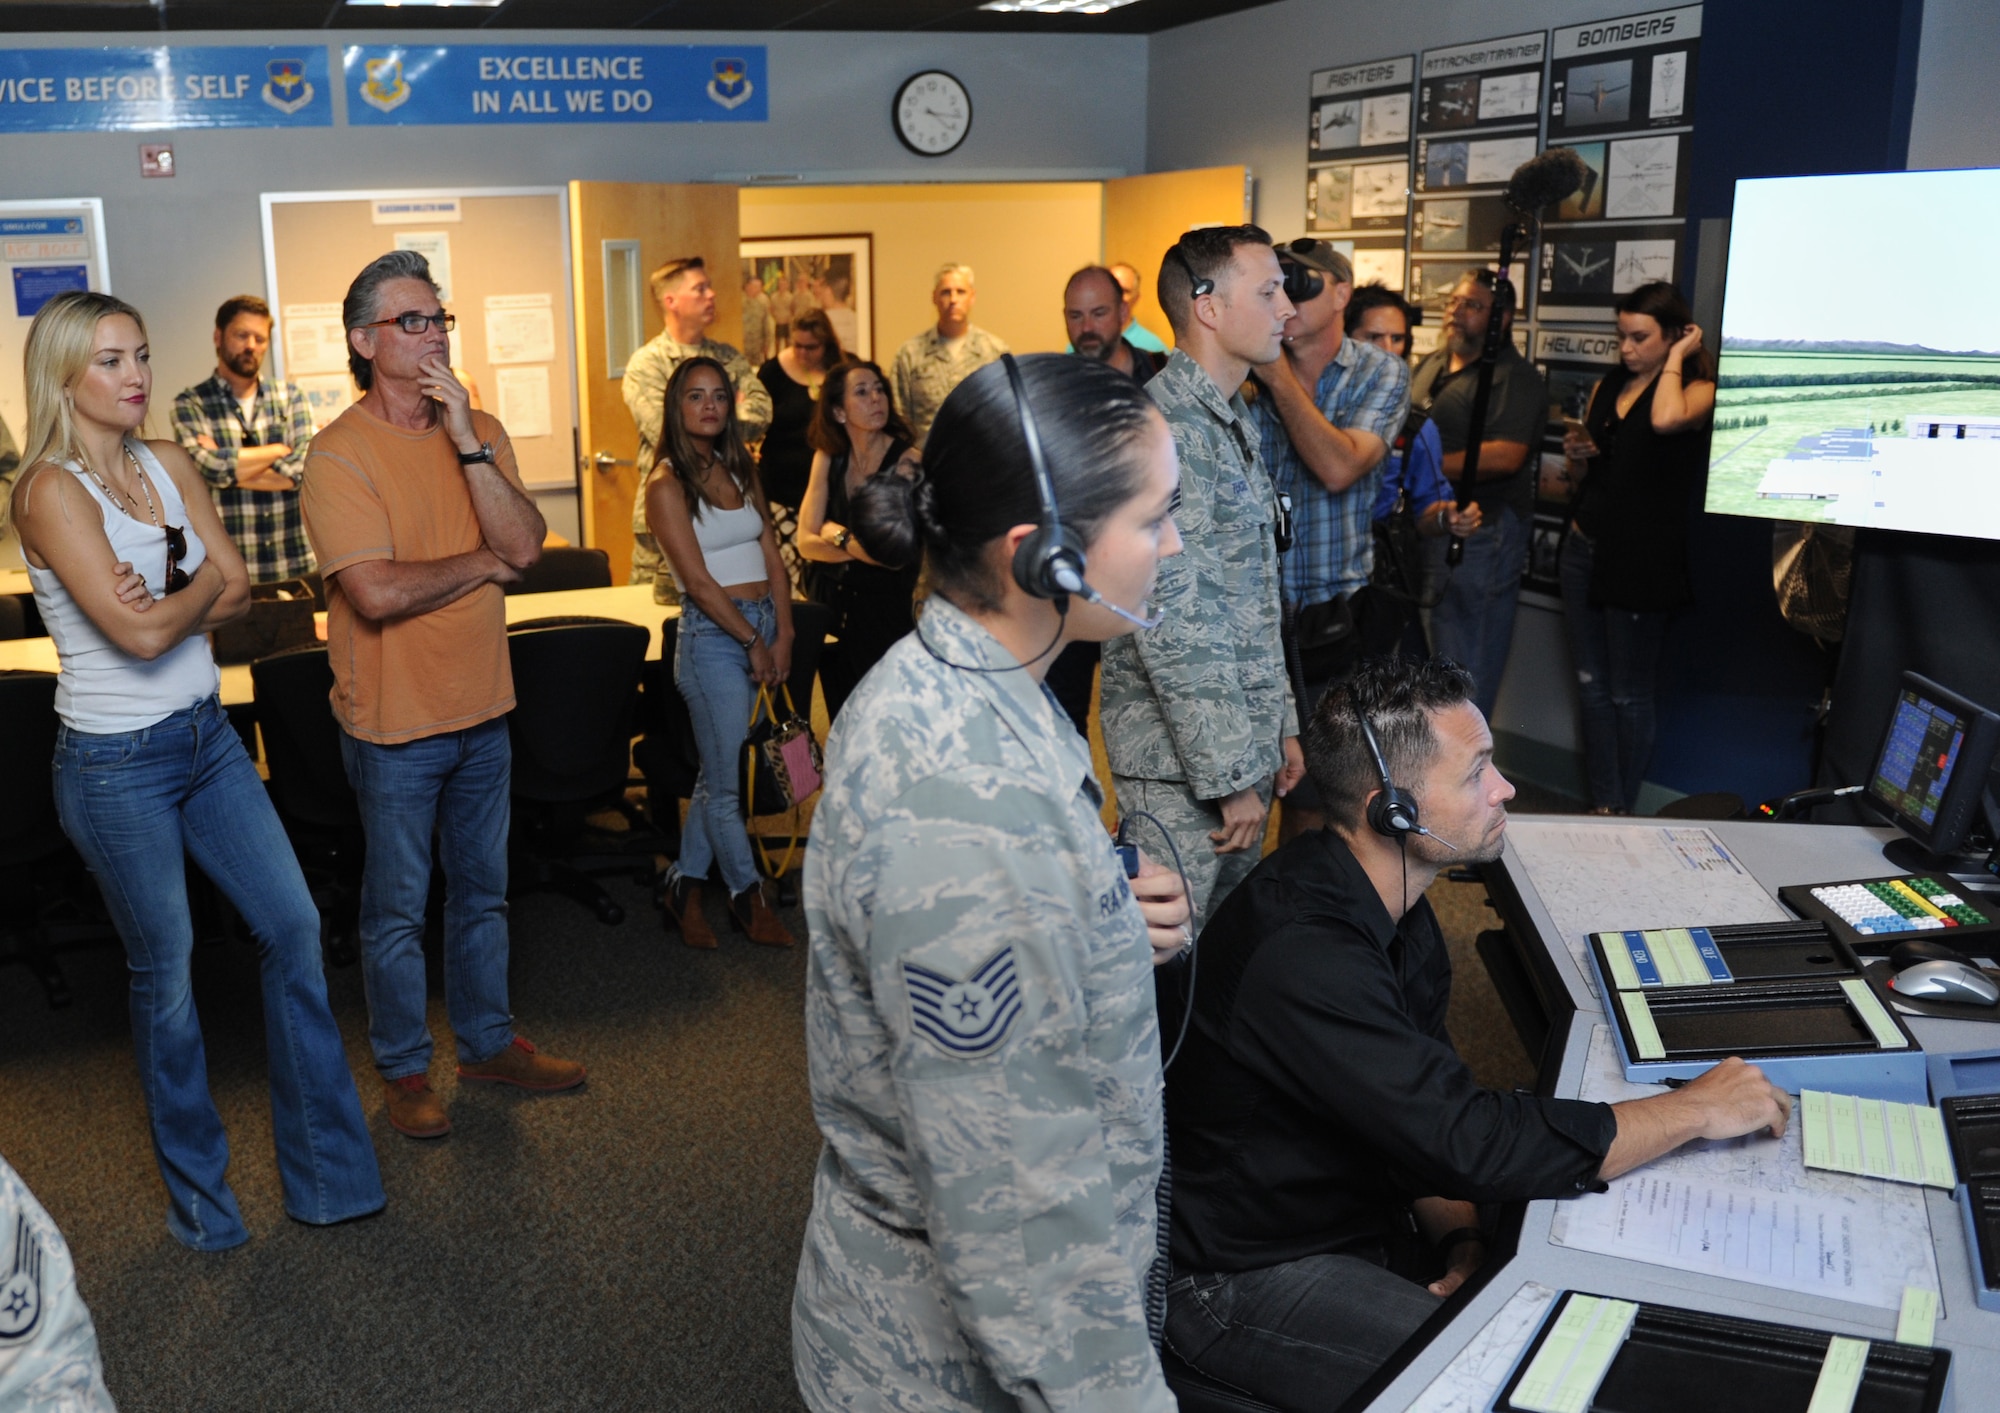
735 633
131 568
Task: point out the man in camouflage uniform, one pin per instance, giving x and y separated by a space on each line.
983 1052
937 360
1199 722
687 308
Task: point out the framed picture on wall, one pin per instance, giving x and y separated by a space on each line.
783 276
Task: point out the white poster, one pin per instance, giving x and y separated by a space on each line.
1492 162
1641 262
327 394
1642 177
1385 118
1381 189
315 342
523 395
434 246
1669 94
520 328
1337 122
1383 265
1509 96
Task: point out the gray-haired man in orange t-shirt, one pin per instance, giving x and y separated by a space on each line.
418 516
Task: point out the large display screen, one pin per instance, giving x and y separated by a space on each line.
1859 378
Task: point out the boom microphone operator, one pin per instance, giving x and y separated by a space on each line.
1538 183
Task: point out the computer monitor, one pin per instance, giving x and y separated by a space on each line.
1931 774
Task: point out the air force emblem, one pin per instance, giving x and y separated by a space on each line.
286 89
731 86
970 1018
385 88
21 1289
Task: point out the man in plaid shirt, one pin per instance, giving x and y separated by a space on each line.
248 434
1326 413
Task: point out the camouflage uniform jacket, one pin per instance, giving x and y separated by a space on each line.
926 370
1204 698
645 389
984 1056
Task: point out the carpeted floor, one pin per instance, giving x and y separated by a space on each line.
630 1245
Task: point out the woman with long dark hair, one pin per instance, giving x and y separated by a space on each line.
983 1048
784 461
857 433
1639 463
131 568
704 505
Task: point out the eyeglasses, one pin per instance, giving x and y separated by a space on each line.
411 322
177 548
1459 301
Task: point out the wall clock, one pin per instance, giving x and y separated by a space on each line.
932 113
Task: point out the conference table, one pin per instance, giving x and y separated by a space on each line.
1541 887
629 603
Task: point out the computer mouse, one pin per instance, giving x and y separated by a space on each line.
1946 981
1915 951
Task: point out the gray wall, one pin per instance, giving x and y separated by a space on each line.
1957 117
1055 105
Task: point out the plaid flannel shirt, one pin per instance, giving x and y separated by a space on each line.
1333 541
266 525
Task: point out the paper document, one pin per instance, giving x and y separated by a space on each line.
1476 1372
520 328
315 341
524 401
1615 878
1875 1138
1749 1209
1575 1355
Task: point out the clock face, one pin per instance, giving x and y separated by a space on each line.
933 113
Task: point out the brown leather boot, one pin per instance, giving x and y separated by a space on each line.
414 1110
681 900
753 917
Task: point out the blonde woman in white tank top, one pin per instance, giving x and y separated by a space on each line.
131 568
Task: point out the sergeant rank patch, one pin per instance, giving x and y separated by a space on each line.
966 1018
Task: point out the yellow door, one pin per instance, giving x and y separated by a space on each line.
1145 215
620 231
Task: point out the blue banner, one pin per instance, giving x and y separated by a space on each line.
154 90
36 285
556 83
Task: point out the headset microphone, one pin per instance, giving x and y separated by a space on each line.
1090 595
1439 837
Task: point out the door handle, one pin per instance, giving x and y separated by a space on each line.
604 461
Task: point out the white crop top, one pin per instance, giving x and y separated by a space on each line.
731 545
103 689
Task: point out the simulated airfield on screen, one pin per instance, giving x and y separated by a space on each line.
1891 436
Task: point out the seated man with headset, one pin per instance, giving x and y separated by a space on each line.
1328 1143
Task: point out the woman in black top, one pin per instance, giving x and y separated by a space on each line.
1624 561
784 463
856 432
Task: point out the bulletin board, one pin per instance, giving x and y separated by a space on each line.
45 247
501 257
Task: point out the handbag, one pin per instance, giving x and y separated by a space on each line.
780 769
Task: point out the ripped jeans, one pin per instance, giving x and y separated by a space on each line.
1617 657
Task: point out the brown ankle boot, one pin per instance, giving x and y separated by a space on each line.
681 899
753 917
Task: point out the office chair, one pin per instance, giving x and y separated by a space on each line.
13 617
576 683
565 567
308 785
37 864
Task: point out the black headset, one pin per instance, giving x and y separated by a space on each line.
1394 811
1050 563
1198 286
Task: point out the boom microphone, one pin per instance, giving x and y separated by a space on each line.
1090 595
1545 179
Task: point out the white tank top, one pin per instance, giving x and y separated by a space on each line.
731 545
103 689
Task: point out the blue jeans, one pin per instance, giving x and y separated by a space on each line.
1473 623
1616 654
137 804
712 671
455 783
1301 1336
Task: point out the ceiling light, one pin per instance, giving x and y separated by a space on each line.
1054 7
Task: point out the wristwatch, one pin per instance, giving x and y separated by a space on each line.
473 458
840 540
